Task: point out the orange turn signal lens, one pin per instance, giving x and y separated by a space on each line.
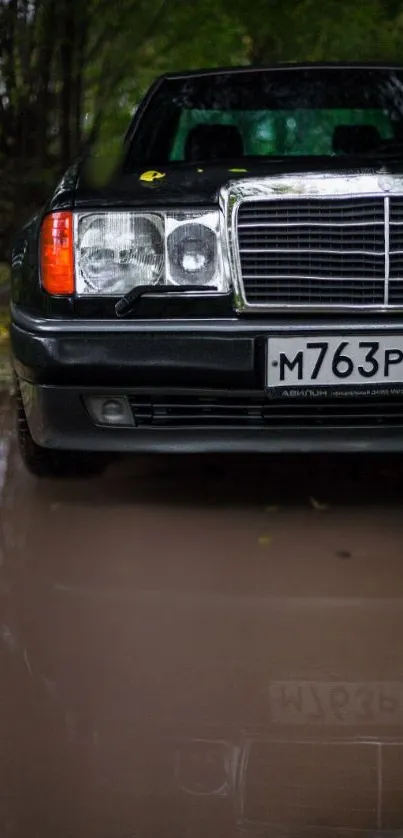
57 256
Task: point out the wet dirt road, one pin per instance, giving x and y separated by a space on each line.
201 648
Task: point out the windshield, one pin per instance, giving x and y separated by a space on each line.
276 113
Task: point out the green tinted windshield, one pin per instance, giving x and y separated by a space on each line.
291 132
271 113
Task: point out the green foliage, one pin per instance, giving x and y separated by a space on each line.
5 370
4 273
321 30
351 31
4 325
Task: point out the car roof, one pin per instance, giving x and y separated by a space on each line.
336 65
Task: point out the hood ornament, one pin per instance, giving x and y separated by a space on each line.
390 183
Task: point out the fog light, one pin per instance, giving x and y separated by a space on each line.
113 412
110 410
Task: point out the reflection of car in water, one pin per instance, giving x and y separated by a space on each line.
184 744
237 285
194 710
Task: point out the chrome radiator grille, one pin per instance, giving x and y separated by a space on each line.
325 252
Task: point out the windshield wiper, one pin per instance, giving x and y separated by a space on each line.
124 306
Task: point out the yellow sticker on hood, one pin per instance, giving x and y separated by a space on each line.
149 177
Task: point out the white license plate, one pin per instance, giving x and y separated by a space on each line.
334 361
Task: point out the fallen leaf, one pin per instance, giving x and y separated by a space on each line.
318 507
343 554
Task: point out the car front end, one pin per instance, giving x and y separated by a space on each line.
215 308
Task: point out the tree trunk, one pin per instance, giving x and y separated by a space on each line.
46 55
67 51
81 47
8 21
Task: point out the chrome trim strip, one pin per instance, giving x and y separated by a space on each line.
387 251
275 224
312 186
323 279
313 250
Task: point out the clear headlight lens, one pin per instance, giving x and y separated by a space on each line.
193 250
117 251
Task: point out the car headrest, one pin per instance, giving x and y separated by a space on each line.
354 139
213 142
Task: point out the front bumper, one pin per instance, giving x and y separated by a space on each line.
193 386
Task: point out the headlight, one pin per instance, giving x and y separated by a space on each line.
192 249
117 251
193 252
205 768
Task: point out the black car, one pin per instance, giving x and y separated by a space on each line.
236 285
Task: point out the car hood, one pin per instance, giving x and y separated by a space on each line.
199 185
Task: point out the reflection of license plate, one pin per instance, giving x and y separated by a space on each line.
334 361
336 703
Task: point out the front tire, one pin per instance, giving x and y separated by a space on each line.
52 463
